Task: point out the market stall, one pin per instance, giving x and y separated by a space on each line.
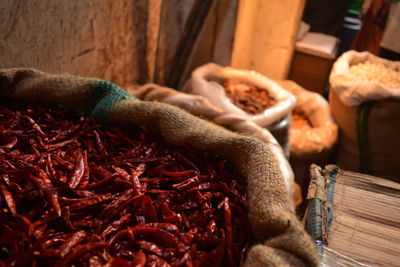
199 133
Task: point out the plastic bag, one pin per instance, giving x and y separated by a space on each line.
206 81
202 107
313 143
331 258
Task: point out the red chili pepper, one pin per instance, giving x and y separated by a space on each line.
153 260
11 141
169 227
95 262
31 227
9 199
89 202
187 173
119 262
13 186
139 260
118 201
35 125
188 237
45 184
151 247
222 187
84 193
228 232
63 162
192 182
84 224
156 180
154 204
49 167
186 206
146 208
69 200
162 236
99 143
121 207
124 174
66 215
103 182
186 260
135 174
63 134
78 170
155 171
34 147
74 240
55 240
80 250
116 225
186 161
86 170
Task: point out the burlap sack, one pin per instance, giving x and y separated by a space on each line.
368 116
315 144
201 107
281 240
206 81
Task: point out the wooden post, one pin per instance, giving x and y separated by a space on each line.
265 35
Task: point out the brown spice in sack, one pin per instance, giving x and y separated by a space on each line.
299 121
248 97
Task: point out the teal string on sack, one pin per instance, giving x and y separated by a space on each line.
105 96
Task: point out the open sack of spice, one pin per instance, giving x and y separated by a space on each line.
365 103
313 130
202 107
247 94
151 186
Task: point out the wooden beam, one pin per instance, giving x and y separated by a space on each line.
265 35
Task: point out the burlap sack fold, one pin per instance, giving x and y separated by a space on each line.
280 236
202 107
368 115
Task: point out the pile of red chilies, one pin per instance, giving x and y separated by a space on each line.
74 192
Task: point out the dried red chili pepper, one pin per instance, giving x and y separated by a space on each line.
9 199
228 231
75 239
89 202
117 225
80 250
10 141
93 195
34 125
44 183
86 171
78 170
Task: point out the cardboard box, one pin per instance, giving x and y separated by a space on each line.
312 61
355 215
